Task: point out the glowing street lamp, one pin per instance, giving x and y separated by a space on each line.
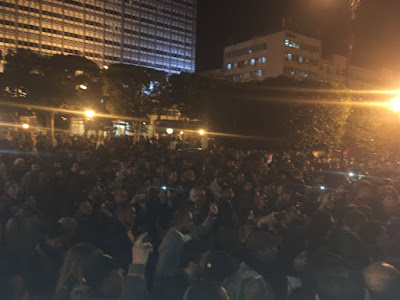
169 131
105 67
202 132
25 126
395 104
89 113
181 132
83 87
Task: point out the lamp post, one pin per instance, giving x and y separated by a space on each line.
352 6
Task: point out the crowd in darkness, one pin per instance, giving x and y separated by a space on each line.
109 219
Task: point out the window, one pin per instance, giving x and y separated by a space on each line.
301 59
259 73
235 65
287 42
229 66
252 61
264 60
250 51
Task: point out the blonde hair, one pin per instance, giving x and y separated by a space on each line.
75 263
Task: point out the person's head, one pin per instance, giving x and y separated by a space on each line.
372 233
172 177
35 167
183 220
12 189
379 278
365 191
247 186
120 195
197 195
205 290
263 246
193 258
75 263
339 283
390 200
261 202
84 209
19 162
75 168
355 220
219 267
227 193
103 277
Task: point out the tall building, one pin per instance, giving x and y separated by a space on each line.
294 55
158 34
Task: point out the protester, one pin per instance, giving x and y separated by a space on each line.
220 223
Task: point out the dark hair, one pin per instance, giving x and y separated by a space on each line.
219 266
205 290
99 267
192 251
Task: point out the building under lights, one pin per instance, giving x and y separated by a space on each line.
158 34
294 55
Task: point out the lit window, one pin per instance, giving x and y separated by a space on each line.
250 51
259 73
287 42
301 59
252 61
264 60
229 66
289 56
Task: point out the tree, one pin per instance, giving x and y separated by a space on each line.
134 91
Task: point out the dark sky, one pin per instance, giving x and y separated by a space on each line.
377 28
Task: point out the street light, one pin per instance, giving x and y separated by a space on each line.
83 87
202 132
25 126
181 132
169 131
105 67
395 104
89 113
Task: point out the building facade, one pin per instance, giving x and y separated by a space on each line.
294 55
158 34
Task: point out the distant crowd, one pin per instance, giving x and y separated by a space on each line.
106 218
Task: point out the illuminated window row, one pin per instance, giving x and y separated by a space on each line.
247 50
303 46
298 72
247 62
301 59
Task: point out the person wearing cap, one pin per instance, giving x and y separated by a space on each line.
256 277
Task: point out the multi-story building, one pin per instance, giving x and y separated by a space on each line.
156 34
294 55
271 56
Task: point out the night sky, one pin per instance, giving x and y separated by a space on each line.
377 28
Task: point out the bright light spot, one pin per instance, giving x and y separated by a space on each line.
270 157
164 187
182 132
89 113
25 126
395 104
83 87
105 67
322 187
351 174
144 123
170 131
201 132
345 153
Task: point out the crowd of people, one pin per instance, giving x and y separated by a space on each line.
109 219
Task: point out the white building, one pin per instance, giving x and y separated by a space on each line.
291 54
154 34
